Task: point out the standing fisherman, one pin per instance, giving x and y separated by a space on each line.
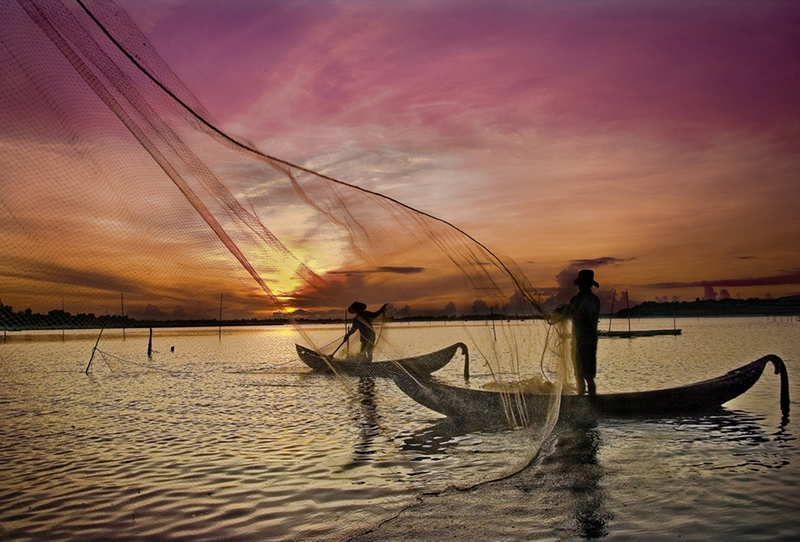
584 310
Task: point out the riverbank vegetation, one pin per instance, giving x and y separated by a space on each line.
59 319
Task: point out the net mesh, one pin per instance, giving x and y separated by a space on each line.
123 200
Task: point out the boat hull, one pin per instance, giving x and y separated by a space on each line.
638 333
418 365
478 407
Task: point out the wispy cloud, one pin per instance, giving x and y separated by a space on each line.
597 262
776 280
381 269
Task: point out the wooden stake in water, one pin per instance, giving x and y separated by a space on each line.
628 304
611 315
220 317
150 345
93 351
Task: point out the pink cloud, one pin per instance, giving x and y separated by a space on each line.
675 69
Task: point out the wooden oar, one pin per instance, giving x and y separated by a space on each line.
346 336
337 348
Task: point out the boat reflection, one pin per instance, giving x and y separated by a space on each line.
434 439
720 425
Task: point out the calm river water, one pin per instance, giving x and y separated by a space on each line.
231 438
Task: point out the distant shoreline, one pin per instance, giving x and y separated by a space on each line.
60 320
782 306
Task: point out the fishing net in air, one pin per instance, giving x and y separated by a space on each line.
125 207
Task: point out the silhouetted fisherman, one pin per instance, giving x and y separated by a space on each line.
584 310
363 324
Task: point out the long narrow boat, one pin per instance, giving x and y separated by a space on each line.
638 333
482 408
422 365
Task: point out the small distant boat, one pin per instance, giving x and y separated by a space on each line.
422 365
483 408
638 333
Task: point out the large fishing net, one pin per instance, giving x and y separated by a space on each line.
123 206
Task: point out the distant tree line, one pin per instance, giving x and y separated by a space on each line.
782 306
59 319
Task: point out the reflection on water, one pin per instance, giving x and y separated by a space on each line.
571 475
367 420
234 439
577 447
724 424
428 442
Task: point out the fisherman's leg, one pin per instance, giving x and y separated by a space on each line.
581 382
589 367
580 373
366 351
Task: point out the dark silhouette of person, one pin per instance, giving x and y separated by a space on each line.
363 324
584 310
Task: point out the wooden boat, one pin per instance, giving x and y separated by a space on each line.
482 408
422 365
638 333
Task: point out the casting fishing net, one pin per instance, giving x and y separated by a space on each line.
125 207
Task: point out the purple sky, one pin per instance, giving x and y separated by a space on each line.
656 142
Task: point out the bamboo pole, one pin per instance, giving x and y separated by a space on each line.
93 351
220 317
611 315
628 304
